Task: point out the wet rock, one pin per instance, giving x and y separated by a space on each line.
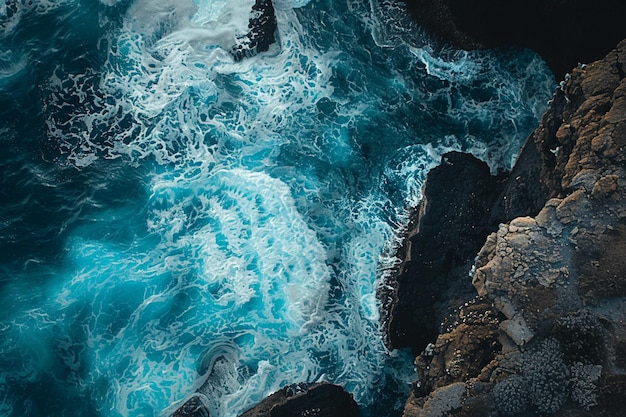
450 228
193 407
304 400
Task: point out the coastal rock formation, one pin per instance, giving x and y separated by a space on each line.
261 34
564 33
193 407
449 229
307 400
546 334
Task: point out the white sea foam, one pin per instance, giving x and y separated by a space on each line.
460 66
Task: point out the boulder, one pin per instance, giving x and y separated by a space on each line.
261 34
193 407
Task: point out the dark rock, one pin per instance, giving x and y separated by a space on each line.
601 263
261 34
451 226
193 407
563 32
524 194
581 337
612 396
620 355
304 400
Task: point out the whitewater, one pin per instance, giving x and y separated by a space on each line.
173 221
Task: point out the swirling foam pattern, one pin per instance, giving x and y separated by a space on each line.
173 221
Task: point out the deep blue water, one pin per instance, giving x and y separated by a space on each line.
171 220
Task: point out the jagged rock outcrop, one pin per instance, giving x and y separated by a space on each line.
194 407
261 34
563 32
450 226
546 335
307 400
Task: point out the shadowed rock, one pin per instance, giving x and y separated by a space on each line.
451 226
564 33
193 407
319 400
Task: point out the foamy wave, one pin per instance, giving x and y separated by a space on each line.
232 266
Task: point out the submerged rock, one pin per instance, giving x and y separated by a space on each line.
307 400
552 284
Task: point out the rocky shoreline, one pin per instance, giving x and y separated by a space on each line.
544 332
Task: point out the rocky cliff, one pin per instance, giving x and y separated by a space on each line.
543 333
563 32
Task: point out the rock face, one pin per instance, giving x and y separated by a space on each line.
319 400
261 34
450 227
562 32
546 335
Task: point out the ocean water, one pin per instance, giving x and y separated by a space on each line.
172 221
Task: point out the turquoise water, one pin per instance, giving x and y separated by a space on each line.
173 221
